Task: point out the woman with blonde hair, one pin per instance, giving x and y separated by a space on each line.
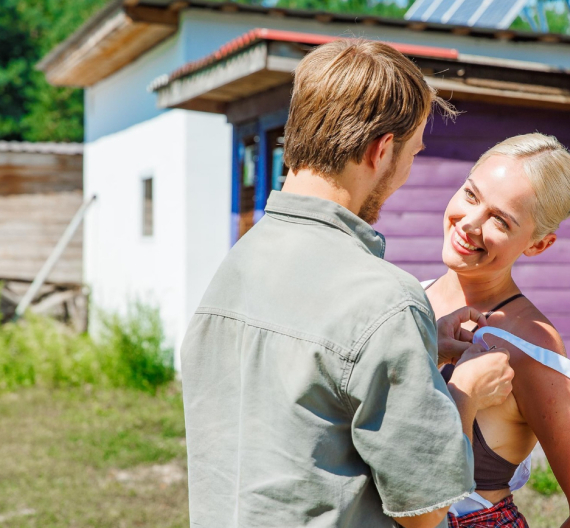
511 205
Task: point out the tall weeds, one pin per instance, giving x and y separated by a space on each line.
130 352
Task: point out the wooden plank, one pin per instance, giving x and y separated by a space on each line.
41 161
116 42
35 173
438 172
397 223
29 206
419 199
30 252
30 227
461 91
541 275
550 300
495 123
152 15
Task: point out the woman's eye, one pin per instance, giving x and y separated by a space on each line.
501 222
469 194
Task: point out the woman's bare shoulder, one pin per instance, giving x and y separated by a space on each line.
530 324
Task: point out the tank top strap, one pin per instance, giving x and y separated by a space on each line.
503 303
499 306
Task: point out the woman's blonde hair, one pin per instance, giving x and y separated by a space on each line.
546 164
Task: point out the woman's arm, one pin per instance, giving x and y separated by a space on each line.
543 398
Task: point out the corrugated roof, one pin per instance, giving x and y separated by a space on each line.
356 18
69 149
261 34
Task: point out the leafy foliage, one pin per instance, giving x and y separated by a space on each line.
30 108
557 22
387 8
140 359
543 481
38 351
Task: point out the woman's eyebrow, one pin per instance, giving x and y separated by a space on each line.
500 212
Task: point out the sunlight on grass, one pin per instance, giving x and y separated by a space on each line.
93 458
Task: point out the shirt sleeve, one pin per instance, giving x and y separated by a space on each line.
406 426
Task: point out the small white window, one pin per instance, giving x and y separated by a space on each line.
147 212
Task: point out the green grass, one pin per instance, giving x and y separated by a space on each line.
130 351
541 511
543 481
82 457
88 457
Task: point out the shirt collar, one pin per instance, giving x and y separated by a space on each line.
327 212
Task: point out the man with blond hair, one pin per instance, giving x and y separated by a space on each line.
311 390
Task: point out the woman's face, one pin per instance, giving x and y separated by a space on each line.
488 224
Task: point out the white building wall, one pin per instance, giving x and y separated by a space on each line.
122 100
208 210
172 268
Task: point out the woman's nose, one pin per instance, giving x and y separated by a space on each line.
472 225
471 229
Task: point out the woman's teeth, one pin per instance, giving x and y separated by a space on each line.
464 244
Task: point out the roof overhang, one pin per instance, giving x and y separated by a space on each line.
116 36
126 29
263 60
256 62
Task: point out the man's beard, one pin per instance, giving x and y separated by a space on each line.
370 210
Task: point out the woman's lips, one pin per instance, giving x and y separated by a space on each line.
461 245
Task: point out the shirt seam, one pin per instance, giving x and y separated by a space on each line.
341 351
327 221
408 300
292 219
401 306
366 335
314 216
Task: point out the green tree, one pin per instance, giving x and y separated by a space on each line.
558 22
30 108
384 8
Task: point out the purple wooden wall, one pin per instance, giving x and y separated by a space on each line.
412 218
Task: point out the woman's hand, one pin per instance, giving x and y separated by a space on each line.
452 339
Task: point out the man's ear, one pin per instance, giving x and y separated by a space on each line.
542 245
381 150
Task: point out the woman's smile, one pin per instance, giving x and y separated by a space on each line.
462 244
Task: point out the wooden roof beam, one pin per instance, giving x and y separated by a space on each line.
152 15
115 40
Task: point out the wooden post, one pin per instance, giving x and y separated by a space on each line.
52 259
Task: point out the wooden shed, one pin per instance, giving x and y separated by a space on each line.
41 189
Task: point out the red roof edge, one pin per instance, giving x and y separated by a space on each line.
260 34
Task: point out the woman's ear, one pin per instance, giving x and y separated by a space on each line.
541 245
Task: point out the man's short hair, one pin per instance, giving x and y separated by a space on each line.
348 93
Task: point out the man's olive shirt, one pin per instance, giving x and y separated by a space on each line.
311 392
